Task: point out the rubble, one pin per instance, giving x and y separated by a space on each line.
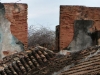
40 61
23 62
90 65
65 63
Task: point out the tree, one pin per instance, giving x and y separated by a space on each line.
41 36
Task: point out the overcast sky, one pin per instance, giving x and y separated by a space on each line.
46 12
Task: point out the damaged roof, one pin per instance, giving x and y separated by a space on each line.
88 65
21 63
41 61
66 65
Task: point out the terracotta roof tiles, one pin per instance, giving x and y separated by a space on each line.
21 63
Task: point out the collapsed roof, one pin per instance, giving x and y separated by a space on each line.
40 61
21 63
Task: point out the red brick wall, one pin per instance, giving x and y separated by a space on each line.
68 14
17 15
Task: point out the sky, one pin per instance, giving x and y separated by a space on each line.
46 12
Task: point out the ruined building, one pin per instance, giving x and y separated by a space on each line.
78 32
16 13
68 17
13 28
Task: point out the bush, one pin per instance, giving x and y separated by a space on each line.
41 36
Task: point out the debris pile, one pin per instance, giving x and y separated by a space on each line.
41 61
23 62
89 66
83 57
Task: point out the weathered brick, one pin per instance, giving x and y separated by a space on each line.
68 14
16 13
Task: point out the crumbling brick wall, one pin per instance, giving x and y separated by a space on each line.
68 14
57 38
16 13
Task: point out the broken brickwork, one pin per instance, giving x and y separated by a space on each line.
68 14
57 37
16 13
